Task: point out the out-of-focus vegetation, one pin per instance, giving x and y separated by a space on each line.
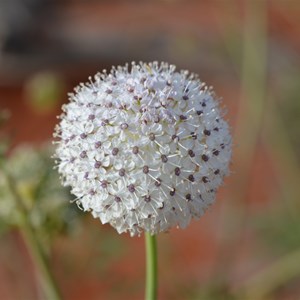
34 179
43 90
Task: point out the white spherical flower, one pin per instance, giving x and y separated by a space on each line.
143 148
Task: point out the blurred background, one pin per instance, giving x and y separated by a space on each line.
247 246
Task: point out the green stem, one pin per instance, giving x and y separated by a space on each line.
33 245
49 287
151 267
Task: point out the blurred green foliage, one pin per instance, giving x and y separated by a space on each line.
44 90
289 104
277 231
46 201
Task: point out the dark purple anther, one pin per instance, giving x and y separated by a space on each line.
115 151
216 152
146 169
188 197
83 154
147 198
177 171
131 188
156 119
104 184
104 122
205 157
135 150
98 145
117 199
122 172
124 126
158 182
172 192
206 132
193 135
204 179
191 153
191 178
97 164
151 136
164 158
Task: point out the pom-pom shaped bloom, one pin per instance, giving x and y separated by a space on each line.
143 148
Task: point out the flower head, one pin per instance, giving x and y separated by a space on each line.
143 148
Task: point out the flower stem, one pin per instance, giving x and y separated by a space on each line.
151 267
34 246
49 287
